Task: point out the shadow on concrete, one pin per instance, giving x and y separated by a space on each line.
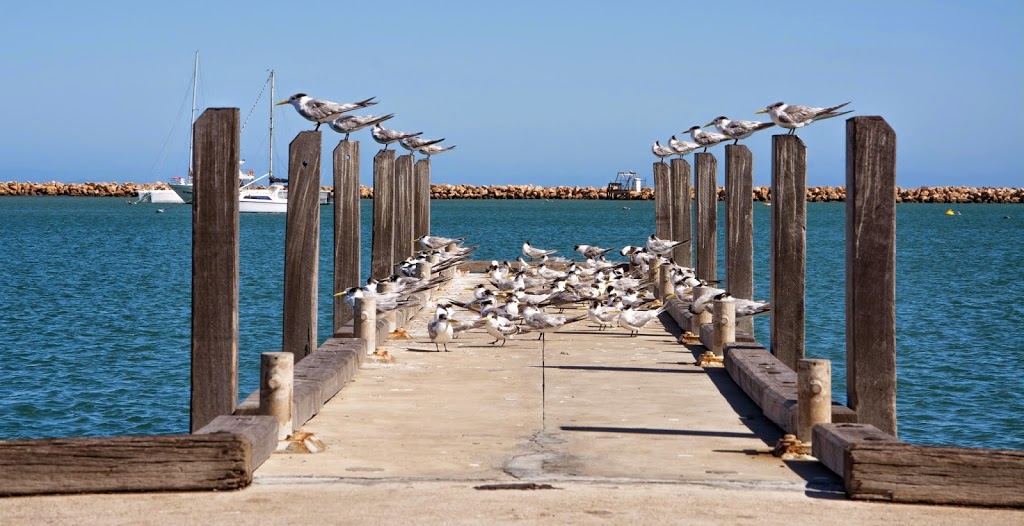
652 431
620 369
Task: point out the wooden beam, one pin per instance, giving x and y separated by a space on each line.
706 207
662 201
207 462
682 228
871 271
215 267
405 207
422 177
260 430
788 248
302 246
739 228
347 227
382 251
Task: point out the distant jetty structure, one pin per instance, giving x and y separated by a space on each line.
816 194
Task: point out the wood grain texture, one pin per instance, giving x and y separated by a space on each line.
347 227
739 227
382 250
302 246
421 173
215 267
830 441
705 168
662 201
405 207
788 248
220 461
871 270
260 430
682 219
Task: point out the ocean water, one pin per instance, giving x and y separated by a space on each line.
96 302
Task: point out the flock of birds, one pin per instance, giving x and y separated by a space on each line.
334 115
521 297
783 115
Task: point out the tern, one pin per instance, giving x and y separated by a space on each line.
704 138
602 315
591 252
660 151
414 143
434 149
387 136
635 320
501 328
536 253
350 123
682 147
796 116
321 111
544 323
436 242
441 331
737 130
661 247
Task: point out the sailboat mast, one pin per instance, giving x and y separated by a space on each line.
271 170
195 83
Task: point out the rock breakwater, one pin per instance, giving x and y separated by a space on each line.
928 194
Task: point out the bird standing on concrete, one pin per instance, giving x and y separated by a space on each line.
440 331
635 320
544 323
501 328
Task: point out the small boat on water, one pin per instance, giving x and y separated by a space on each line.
273 199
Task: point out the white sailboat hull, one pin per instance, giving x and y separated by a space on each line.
159 196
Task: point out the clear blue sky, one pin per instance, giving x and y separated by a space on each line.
550 93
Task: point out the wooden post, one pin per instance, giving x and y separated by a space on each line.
215 244
392 317
724 324
788 247
382 251
653 275
662 201
346 228
739 228
422 176
423 270
366 322
664 282
814 396
871 271
706 205
405 209
302 245
682 229
704 317
276 381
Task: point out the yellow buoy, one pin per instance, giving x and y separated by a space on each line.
950 212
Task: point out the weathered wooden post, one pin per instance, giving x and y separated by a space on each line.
706 204
423 270
386 287
871 271
682 228
788 247
366 322
664 282
405 210
382 251
277 374
654 276
723 324
814 396
302 245
346 230
662 201
215 244
422 176
739 228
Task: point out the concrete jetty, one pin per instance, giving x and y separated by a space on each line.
592 427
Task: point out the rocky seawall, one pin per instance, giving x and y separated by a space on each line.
933 194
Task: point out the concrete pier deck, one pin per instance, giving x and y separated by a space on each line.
592 427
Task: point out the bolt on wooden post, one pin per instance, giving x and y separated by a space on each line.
277 373
814 396
724 323
366 322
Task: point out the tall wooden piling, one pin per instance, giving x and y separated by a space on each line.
405 208
346 230
662 201
871 271
215 266
382 253
302 245
421 173
739 228
682 228
788 248
705 185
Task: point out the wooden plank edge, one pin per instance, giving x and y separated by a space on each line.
259 430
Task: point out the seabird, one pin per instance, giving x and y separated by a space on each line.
704 138
434 149
414 143
387 136
660 151
793 117
349 123
682 147
737 130
660 246
321 111
536 253
436 242
544 323
440 331
635 320
501 328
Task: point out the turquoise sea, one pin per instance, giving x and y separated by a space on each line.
96 305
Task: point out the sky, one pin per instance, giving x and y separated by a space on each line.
545 93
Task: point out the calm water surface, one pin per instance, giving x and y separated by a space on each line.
97 305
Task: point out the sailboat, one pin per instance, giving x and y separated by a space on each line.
184 186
